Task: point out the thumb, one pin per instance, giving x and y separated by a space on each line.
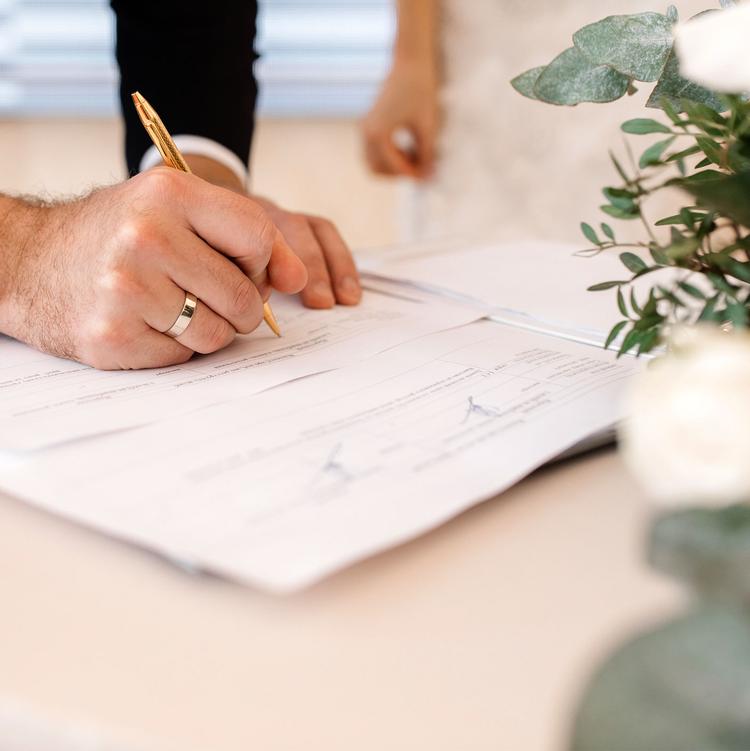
286 271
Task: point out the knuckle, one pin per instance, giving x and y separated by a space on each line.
218 335
104 337
298 223
139 233
244 298
120 283
162 181
321 223
252 319
266 235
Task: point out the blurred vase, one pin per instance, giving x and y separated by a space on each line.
685 685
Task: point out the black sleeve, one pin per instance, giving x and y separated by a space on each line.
193 61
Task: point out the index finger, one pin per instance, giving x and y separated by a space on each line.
241 230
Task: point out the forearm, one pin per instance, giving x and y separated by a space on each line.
417 36
17 223
28 311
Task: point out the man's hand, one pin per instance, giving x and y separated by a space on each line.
100 278
332 275
408 103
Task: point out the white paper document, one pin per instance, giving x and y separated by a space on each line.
542 286
45 400
280 489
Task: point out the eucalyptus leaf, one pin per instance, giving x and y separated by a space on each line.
622 199
571 78
711 149
618 213
728 194
682 248
604 285
684 153
691 290
631 339
524 83
652 155
708 314
737 313
634 303
702 115
659 256
719 281
633 263
671 297
590 233
613 334
737 269
676 219
649 340
674 88
635 45
608 231
621 302
642 126
671 112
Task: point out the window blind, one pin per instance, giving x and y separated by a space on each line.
318 57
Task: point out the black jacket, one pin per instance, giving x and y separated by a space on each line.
193 62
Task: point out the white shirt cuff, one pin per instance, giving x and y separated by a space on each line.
202 147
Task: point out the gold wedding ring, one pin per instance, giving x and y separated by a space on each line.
185 317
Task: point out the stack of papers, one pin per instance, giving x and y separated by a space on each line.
374 424
538 286
45 400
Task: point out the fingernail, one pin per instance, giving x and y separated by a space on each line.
349 287
323 291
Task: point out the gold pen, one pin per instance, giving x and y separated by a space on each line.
172 158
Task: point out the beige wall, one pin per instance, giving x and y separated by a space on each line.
312 166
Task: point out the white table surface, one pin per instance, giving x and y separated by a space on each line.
476 636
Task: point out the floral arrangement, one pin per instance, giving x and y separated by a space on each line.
701 70
685 683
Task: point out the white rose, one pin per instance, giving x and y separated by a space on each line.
688 437
714 49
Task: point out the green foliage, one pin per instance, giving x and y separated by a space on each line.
725 193
524 84
706 154
606 59
572 78
642 126
674 89
637 46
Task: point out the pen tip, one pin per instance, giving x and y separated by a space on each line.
270 319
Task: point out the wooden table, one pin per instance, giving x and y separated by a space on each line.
475 636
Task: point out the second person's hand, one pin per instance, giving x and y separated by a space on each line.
408 102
